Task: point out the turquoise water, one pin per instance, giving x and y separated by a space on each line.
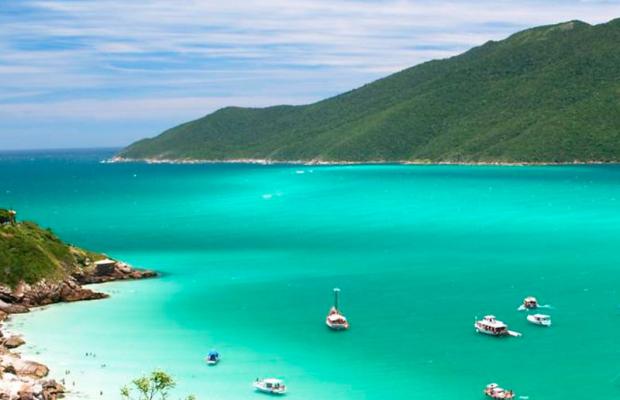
250 254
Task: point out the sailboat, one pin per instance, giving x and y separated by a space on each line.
335 320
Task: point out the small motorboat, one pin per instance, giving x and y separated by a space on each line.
213 357
489 325
335 320
529 303
495 392
540 319
270 385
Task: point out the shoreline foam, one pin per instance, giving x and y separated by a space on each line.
261 161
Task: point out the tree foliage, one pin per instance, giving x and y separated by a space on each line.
155 386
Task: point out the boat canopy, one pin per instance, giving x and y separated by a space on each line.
273 381
213 353
490 320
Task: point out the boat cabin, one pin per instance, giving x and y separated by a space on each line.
491 326
272 383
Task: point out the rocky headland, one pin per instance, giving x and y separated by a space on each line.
39 269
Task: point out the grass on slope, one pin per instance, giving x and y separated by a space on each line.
30 253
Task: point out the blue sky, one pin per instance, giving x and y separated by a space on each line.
78 73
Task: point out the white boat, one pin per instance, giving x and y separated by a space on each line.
539 319
529 303
493 391
335 320
270 385
212 358
489 325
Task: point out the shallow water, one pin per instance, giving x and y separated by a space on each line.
250 254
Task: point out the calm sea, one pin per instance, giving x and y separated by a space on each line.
249 256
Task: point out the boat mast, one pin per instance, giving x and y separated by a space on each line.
336 294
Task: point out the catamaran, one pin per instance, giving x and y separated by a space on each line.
540 319
335 320
270 385
490 325
495 392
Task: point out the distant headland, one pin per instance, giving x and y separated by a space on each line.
545 95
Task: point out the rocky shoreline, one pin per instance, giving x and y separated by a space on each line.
260 161
25 380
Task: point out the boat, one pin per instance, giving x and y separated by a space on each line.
213 357
335 320
529 303
493 391
270 385
540 319
490 325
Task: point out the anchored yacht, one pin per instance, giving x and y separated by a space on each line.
270 385
490 325
540 319
335 320
493 391
529 303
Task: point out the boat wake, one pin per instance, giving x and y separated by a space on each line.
523 308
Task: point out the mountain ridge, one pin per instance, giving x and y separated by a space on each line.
543 95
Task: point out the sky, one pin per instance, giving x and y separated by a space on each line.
103 73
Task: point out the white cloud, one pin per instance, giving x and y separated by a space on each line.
108 59
141 109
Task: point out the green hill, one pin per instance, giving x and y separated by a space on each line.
30 254
548 94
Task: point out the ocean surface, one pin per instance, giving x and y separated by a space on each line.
249 256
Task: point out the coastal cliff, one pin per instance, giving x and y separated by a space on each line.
38 269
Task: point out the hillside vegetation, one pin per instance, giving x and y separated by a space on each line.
548 94
30 254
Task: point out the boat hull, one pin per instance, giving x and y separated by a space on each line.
263 389
212 361
485 332
337 327
500 396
